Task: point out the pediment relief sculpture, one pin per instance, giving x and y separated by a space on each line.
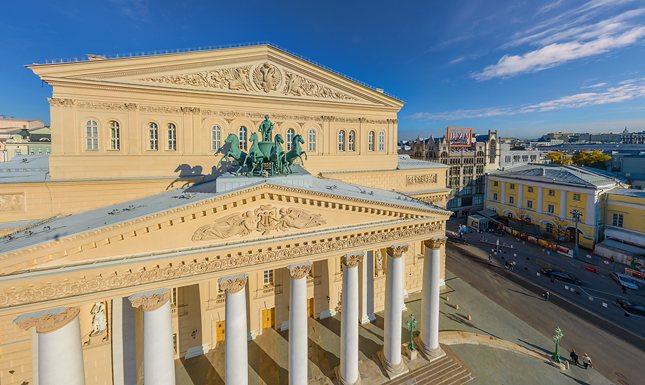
263 78
263 219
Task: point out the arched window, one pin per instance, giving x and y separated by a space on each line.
91 135
172 137
115 135
351 140
312 141
243 138
153 136
290 134
216 137
381 141
341 140
370 141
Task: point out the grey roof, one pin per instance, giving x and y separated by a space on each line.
25 168
407 163
110 215
581 176
630 192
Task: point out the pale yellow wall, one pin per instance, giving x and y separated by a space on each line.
631 208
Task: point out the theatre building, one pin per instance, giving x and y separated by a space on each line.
129 247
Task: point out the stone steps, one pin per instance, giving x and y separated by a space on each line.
448 370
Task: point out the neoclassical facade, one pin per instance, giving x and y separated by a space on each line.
131 249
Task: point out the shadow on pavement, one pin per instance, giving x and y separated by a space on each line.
201 371
265 366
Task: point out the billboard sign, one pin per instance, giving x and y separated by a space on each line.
459 137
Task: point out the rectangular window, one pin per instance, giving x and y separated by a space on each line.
495 196
512 186
550 209
511 200
551 193
530 189
576 197
495 183
617 220
172 137
268 277
529 204
477 199
153 137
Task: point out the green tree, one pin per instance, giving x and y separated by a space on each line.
590 158
558 157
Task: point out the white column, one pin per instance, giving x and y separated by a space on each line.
590 209
540 201
563 204
366 270
391 354
236 354
60 355
298 337
429 328
158 350
348 373
124 368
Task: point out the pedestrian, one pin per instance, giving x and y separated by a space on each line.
574 357
490 258
546 296
586 361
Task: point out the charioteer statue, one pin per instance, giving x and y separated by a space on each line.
266 129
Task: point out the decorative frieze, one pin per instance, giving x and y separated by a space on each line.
160 109
396 251
27 294
12 202
61 102
49 321
233 79
299 86
420 179
150 302
435 243
233 284
352 259
263 219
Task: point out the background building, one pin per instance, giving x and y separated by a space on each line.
624 226
545 195
467 160
513 155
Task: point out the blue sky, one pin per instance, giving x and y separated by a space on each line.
522 67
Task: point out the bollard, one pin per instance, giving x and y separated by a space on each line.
454 306
469 317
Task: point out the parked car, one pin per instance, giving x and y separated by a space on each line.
623 280
560 276
623 303
631 308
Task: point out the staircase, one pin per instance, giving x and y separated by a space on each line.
448 370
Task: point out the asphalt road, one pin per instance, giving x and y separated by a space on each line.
614 357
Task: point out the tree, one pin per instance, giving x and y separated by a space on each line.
560 228
558 157
590 158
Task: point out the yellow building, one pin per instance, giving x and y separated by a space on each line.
624 226
545 195
129 248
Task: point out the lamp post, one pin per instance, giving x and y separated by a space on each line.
576 215
557 336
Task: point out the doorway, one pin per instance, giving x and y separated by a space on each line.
268 318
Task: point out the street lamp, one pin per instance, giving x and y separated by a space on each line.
576 215
557 336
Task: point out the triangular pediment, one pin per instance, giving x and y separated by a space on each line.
258 214
257 70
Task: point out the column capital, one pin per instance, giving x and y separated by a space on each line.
48 320
300 270
435 243
396 251
232 285
151 300
352 259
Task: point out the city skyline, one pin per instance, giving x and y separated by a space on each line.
523 69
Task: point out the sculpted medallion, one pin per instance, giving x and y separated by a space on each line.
267 77
263 219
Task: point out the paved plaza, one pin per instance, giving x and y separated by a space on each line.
526 364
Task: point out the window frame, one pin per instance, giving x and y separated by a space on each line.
381 141
341 141
351 141
550 209
268 277
371 137
216 131
311 144
115 135
243 145
92 135
290 132
171 143
153 136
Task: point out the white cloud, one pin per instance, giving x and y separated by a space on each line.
558 53
596 85
625 90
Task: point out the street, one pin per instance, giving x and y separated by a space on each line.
615 358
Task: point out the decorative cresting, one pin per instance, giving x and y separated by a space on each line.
435 243
150 301
264 219
352 259
20 295
396 251
232 285
236 78
48 321
299 271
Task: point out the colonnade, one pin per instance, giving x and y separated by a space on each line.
60 357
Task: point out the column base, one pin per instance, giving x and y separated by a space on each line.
196 351
368 319
327 314
430 354
342 381
392 371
